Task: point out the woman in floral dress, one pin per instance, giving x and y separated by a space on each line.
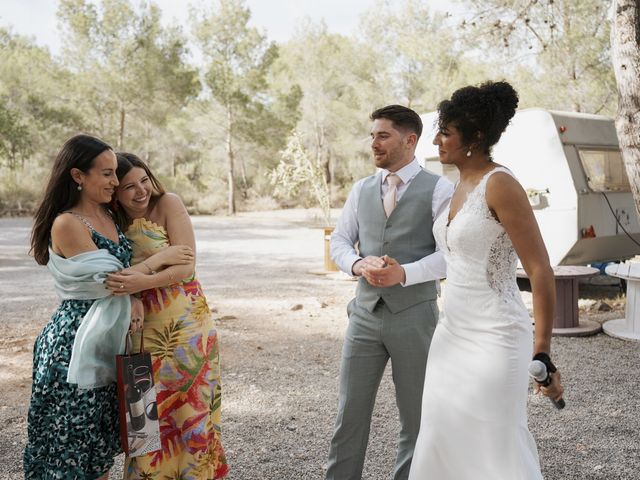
178 330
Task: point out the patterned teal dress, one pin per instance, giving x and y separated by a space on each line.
72 433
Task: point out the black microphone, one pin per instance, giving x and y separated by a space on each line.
538 370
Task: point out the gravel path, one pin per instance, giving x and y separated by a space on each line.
280 365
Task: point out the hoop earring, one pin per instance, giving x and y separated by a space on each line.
79 187
469 153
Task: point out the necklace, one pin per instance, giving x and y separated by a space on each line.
102 216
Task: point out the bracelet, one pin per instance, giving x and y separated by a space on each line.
151 272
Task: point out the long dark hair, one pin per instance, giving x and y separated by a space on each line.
127 161
62 192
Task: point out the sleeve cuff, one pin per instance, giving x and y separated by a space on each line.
352 261
411 274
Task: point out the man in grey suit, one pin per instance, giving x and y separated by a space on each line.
389 217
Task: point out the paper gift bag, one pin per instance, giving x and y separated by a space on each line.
139 426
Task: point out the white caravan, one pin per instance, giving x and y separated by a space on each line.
571 167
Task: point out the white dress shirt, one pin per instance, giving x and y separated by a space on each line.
345 235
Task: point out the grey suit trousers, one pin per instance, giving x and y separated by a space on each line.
372 338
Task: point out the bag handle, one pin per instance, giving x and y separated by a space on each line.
129 345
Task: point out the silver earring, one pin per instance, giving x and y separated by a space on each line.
79 187
468 153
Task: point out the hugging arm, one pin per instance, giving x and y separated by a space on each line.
175 263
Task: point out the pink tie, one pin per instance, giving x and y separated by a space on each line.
389 201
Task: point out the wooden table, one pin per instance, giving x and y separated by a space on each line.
627 328
566 321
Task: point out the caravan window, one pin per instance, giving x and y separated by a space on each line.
604 169
450 172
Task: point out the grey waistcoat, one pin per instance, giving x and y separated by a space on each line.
406 236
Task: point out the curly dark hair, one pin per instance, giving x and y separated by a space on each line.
481 113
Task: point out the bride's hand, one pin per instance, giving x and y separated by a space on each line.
555 390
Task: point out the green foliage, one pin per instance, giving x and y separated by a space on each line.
557 52
31 106
131 72
224 124
19 193
14 138
339 89
420 52
238 58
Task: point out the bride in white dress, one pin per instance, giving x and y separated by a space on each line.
474 419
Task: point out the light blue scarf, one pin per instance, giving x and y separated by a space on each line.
103 330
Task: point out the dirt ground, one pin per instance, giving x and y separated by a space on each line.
281 327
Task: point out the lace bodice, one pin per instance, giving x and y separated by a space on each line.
478 251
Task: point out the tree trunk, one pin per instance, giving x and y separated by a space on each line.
147 141
332 172
625 55
13 153
243 176
230 182
121 133
322 155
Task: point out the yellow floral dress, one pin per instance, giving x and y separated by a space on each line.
181 337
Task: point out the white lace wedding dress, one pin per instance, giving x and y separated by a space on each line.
474 419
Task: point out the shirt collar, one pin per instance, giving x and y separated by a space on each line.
406 173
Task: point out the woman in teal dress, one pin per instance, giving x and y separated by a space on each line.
73 424
72 431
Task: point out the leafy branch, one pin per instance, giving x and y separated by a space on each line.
297 171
